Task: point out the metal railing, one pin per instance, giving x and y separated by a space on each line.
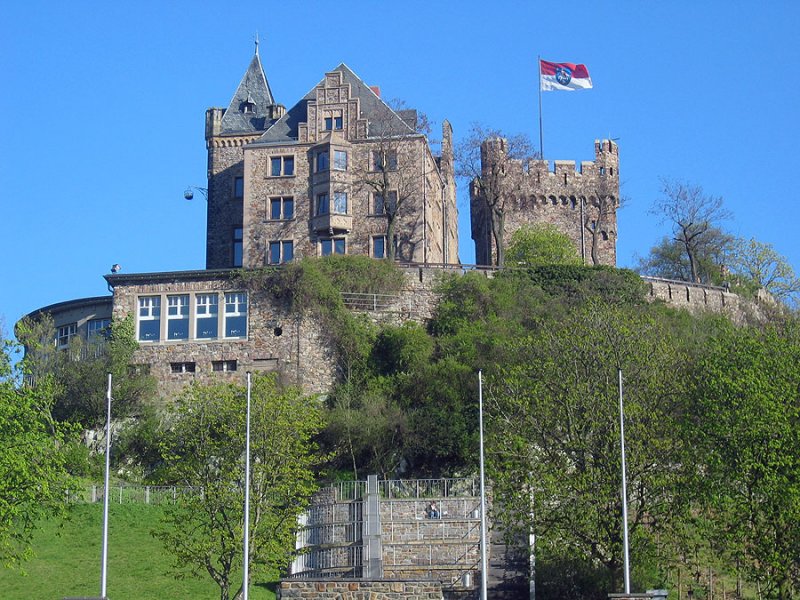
428 488
131 494
370 302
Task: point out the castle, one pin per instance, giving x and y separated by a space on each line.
340 172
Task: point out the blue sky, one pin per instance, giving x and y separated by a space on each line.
103 111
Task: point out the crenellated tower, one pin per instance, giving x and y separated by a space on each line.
580 202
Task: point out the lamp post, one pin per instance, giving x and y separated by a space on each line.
484 561
104 551
626 555
246 560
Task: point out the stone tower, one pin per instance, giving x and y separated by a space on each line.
582 203
251 111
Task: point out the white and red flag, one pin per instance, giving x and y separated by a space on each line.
563 76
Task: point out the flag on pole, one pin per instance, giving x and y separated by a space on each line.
563 76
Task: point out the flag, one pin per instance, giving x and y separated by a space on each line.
563 76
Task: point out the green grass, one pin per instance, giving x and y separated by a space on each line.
67 561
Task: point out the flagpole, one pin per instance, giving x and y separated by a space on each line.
539 75
484 559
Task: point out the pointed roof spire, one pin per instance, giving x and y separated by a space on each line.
250 109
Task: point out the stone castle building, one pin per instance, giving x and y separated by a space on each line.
340 172
582 204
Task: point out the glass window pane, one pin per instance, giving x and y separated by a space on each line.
338 122
275 208
288 251
378 247
288 165
338 246
325 247
340 160
149 330
328 123
238 188
274 253
288 208
275 166
340 203
322 161
322 204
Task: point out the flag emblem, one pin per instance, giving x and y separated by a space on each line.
563 76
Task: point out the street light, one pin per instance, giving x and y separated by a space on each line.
188 193
104 552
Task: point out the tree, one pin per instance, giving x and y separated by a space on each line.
79 372
603 203
394 168
759 265
492 163
204 449
538 245
553 429
694 217
744 433
33 477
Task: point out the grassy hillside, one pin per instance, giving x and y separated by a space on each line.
67 561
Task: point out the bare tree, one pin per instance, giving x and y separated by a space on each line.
602 205
694 217
494 165
393 170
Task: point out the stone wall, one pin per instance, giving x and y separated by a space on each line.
579 203
384 589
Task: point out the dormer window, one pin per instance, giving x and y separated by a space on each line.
333 120
248 107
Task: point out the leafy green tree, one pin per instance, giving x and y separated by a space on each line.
745 434
553 426
33 478
204 449
668 259
758 265
537 245
81 371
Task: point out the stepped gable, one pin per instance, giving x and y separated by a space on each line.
371 107
250 109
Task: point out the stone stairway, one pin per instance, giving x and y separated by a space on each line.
508 568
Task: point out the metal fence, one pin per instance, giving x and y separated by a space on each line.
428 488
373 302
132 494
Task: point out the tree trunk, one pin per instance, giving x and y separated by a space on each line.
498 222
389 250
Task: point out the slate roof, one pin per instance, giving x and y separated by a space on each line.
253 88
375 110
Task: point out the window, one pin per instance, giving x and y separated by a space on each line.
149 318
379 203
223 366
340 203
97 328
235 315
323 204
182 367
281 166
322 161
332 246
65 334
379 246
281 208
238 188
333 120
178 317
339 160
237 246
384 160
281 252
206 311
